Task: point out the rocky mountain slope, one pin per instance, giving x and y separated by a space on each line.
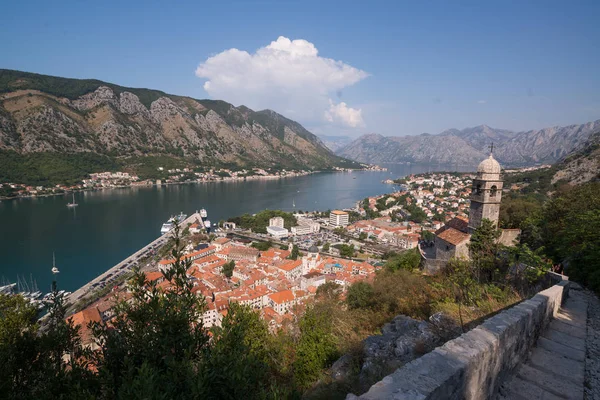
40 113
469 146
335 142
582 165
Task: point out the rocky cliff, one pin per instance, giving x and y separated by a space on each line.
469 146
582 165
41 113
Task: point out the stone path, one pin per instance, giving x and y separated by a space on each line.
560 367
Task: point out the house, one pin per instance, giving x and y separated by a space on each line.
282 301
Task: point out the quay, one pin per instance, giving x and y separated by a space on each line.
125 265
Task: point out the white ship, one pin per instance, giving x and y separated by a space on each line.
170 224
203 213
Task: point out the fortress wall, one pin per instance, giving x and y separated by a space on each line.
474 365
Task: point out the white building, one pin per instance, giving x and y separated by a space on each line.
305 227
277 232
338 218
276 221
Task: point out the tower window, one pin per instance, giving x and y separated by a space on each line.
493 191
478 189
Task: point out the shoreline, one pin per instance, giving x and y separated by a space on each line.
226 179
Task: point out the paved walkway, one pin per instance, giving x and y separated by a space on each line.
556 368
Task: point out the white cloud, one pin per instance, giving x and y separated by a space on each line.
481 101
288 76
344 115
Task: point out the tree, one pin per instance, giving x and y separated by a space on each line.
483 248
340 231
155 336
408 260
362 236
239 363
329 290
346 250
326 247
360 295
228 269
427 235
33 358
295 253
570 228
460 273
316 346
262 246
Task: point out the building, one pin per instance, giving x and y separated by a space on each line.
339 218
277 232
282 301
452 239
305 227
276 221
313 278
486 194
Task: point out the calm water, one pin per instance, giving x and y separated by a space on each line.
109 225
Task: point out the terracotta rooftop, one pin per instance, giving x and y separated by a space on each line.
282 297
454 236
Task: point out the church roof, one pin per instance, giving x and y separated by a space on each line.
489 166
454 236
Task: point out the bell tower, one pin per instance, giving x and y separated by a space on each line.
486 193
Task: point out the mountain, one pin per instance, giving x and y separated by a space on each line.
469 146
40 113
335 142
582 165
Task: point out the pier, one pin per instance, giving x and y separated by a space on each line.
127 264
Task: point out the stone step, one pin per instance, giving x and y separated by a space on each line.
566 368
551 383
564 339
568 329
519 389
557 348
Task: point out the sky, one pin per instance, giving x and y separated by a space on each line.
339 68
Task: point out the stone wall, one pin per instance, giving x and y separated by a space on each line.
473 365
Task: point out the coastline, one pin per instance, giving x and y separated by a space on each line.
223 179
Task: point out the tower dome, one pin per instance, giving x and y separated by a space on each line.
489 166
313 249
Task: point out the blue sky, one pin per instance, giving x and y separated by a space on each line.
404 67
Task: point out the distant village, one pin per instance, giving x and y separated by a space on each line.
107 180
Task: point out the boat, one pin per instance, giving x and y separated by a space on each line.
166 227
203 213
207 224
54 269
170 224
73 204
294 203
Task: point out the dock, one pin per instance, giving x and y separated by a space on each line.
127 264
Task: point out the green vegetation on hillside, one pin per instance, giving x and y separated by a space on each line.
49 169
11 80
564 227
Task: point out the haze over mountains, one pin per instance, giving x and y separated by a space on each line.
40 113
468 146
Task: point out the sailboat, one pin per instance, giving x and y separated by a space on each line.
73 204
294 203
54 269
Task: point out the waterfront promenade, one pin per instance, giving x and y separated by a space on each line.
125 265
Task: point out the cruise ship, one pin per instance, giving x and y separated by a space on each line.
170 224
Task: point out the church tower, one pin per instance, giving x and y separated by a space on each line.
486 193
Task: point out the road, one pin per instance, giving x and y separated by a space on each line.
124 266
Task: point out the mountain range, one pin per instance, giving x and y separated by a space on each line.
40 113
469 146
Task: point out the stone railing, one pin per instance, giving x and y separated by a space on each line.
474 365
